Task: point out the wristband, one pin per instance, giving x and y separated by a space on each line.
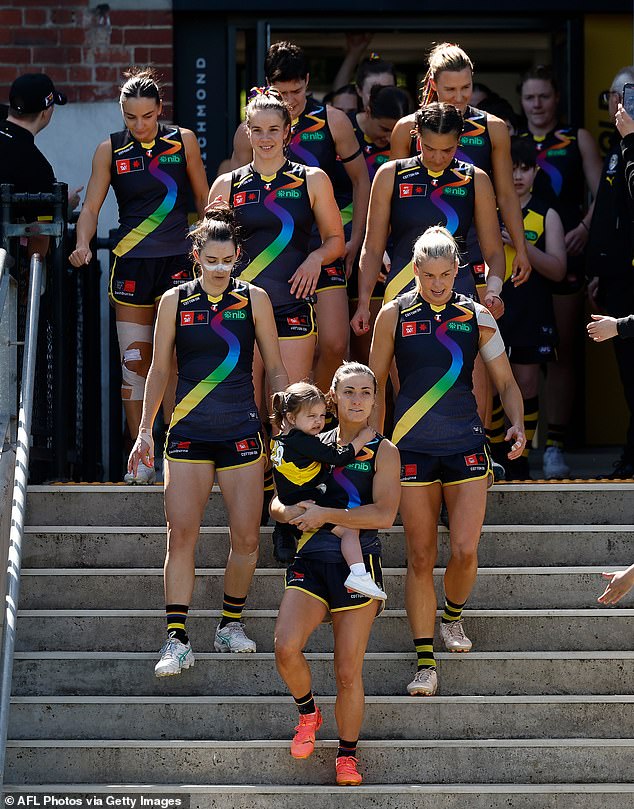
494 285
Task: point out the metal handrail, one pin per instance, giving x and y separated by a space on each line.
18 508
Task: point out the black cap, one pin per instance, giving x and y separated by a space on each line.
34 92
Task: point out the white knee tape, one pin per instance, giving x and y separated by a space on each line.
129 334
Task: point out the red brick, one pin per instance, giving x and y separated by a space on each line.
72 36
121 18
10 16
7 74
54 56
80 74
64 16
141 56
59 75
15 56
107 74
161 56
35 16
148 36
110 56
116 36
35 36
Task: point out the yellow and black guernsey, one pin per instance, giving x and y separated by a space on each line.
348 487
560 180
275 218
435 348
151 186
214 353
301 465
421 199
529 319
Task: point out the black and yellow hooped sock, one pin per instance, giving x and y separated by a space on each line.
231 609
556 435
531 417
306 704
425 653
347 748
268 481
495 433
176 615
452 612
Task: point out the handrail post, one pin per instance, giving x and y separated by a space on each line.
18 508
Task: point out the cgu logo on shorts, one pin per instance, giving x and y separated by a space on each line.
476 461
125 287
298 320
247 445
178 447
409 471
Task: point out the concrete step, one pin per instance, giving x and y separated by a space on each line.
250 718
385 674
514 545
503 588
588 503
490 630
387 796
268 762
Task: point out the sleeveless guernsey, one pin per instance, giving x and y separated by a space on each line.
214 352
560 179
529 318
151 185
275 218
435 348
349 486
421 199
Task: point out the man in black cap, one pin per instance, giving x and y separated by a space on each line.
32 99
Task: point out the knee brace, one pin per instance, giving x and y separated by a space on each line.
130 335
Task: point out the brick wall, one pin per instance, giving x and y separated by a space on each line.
83 50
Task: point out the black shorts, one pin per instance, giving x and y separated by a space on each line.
142 281
478 270
420 469
222 454
297 320
574 280
378 293
531 355
324 581
332 276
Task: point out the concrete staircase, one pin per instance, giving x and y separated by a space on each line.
540 715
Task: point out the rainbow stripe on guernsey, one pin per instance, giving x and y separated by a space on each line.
437 199
346 214
416 412
221 372
281 241
556 178
405 276
338 473
156 218
303 155
475 132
